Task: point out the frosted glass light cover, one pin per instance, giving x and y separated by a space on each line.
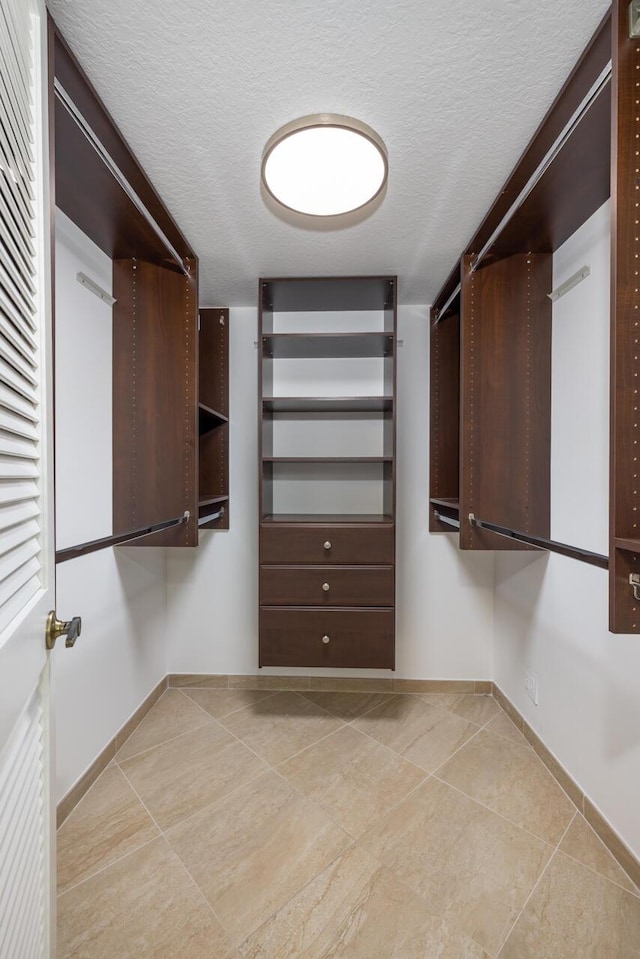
324 165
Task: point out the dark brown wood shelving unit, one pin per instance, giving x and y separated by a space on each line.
213 418
490 357
98 183
327 575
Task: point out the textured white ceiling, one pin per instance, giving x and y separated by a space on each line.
455 88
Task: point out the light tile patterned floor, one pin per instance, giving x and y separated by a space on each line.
246 824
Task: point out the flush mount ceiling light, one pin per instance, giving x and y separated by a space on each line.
324 165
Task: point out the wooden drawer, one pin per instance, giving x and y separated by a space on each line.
362 638
327 586
348 545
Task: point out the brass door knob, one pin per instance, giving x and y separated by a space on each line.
57 627
327 545
326 639
325 587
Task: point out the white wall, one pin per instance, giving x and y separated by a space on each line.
551 612
120 594
444 598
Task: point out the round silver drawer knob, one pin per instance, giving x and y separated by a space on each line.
325 587
327 545
325 640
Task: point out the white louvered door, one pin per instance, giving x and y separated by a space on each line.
26 487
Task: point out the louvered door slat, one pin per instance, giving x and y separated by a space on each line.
22 365
10 377
21 840
18 27
11 400
12 177
13 216
17 425
18 513
21 259
18 535
13 94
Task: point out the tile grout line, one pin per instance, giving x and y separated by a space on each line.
164 742
500 815
599 874
535 886
164 836
267 695
98 872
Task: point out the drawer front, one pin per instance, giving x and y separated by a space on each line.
327 586
362 638
327 545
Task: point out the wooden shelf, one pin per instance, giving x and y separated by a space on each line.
630 545
209 419
451 503
327 404
291 346
331 518
327 459
212 500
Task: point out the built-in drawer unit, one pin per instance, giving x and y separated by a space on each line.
327 545
297 636
327 353
327 586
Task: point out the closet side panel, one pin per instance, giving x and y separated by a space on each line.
506 399
155 401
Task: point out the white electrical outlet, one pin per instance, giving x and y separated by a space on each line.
531 686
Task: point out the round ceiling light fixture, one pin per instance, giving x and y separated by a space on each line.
324 165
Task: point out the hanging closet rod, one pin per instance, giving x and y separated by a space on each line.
115 171
551 155
537 175
120 539
446 519
573 552
211 517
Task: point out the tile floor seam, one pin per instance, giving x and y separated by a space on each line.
511 822
530 750
354 719
215 915
210 719
130 852
216 802
268 695
421 696
399 755
170 845
601 875
80 801
456 751
293 756
535 885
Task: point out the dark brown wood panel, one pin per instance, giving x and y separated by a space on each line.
213 392
624 611
213 346
348 545
86 192
327 586
506 398
444 442
154 400
361 638
583 198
